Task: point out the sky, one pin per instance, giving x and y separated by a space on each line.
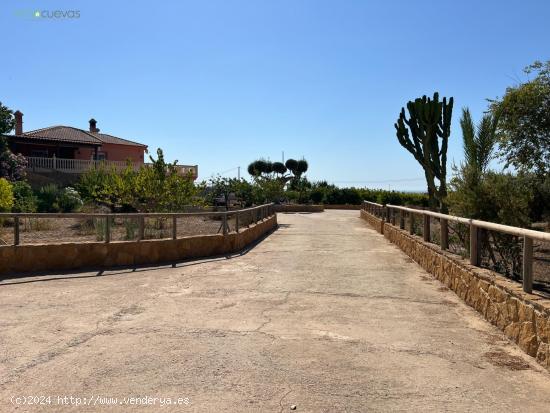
222 83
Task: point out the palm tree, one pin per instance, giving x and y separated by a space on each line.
478 142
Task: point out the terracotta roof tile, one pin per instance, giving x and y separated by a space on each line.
63 134
103 137
75 135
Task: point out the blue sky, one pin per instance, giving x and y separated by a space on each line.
221 83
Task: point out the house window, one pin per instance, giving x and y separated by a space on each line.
101 156
39 153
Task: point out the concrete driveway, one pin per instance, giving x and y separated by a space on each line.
322 315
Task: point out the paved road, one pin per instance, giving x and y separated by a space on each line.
324 314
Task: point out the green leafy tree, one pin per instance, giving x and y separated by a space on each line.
478 193
301 187
158 187
268 190
161 188
221 187
12 166
7 121
106 186
524 122
6 195
429 123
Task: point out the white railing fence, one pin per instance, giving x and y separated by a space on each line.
78 166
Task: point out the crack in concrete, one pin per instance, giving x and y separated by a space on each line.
270 308
344 295
50 355
78 340
281 400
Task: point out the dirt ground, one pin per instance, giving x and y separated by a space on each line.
50 231
324 315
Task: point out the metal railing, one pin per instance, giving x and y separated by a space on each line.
79 166
223 222
393 213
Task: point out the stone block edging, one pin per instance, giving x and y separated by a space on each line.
373 221
298 208
524 318
71 256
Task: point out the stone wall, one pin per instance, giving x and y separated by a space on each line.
69 256
373 221
343 206
299 208
524 318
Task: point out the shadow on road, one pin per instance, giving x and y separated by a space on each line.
121 270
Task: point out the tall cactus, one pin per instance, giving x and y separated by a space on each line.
429 122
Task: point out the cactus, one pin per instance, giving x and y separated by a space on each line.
429 122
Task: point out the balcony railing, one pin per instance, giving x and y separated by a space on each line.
79 166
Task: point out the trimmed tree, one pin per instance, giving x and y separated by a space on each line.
266 169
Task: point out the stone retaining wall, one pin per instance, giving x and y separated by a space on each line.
299 208
524 318
373 221
69 256
343 206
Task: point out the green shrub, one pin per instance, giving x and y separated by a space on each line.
24 198
69 200
321 192
292 196
47 198
317 196
53 199
158 187
6 195
495 197
130 226
100 227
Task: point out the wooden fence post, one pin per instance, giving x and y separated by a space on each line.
411 223
237 222
141 230
474 245
402 219
174 227
527 264
426 233
16 230
107 229
444 224
225 223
